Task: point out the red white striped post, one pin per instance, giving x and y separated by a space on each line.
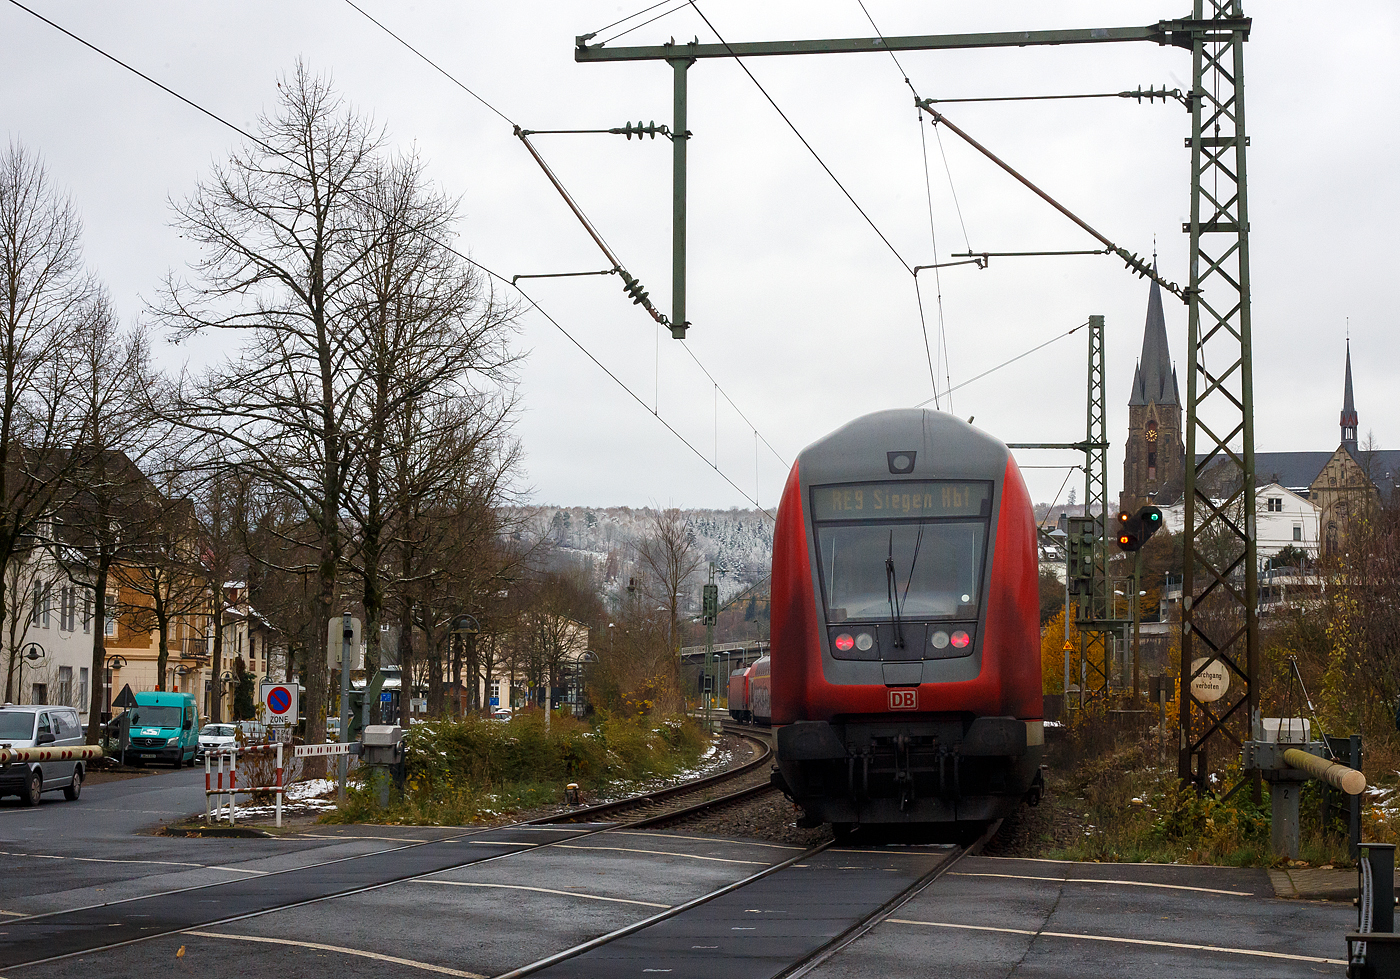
279 785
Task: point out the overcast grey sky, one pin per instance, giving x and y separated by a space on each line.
799 311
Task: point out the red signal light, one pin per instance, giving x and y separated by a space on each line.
845 642
961 639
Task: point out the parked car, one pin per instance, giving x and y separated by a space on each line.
501 714
212 737
37 726
164 726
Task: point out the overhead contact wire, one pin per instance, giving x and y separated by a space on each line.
599 239
928 190
466 258
798 133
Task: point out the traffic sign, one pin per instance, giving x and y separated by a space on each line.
280 702
126 699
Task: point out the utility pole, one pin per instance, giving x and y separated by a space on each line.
710 612
1220 397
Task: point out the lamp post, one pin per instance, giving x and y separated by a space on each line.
113 663
181 671
34 653
463 627
585 660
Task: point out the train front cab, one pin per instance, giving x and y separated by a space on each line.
906 652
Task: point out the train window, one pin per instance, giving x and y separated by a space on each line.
927 570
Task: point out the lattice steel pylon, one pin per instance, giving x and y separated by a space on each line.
1220 619
1094 644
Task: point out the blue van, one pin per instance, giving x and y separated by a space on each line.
164 726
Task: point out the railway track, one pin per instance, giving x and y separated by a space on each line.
688 798
780 884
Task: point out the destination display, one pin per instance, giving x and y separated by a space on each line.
901 499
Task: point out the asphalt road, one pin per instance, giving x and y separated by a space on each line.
442 901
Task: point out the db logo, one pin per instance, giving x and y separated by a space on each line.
904 699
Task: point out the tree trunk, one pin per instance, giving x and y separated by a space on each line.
216 661
162 649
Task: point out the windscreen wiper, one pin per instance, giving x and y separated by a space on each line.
892 593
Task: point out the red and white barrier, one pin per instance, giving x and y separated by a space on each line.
84 753
215 793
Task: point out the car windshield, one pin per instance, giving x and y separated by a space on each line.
153 716
217 731
929 569
16 724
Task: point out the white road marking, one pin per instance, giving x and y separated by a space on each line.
153 863
425 966
706 839
14 914
545 890
1103 880
1124 941
657 853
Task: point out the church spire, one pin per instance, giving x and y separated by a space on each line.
1155 379
1348 409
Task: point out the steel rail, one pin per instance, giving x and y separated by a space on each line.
637 926
588 813
858 930
700 808
350 892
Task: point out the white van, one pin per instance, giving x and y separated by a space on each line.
39 726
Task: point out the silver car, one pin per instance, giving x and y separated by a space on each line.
39 726
213 737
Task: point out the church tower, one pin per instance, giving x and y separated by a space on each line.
1348 410
1155 456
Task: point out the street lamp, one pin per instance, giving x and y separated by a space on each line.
586 659
463 626
114 663
34 653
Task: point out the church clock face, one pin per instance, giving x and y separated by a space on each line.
1152 431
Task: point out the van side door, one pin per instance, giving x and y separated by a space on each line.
56 773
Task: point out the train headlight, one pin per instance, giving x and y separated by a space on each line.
961 639
939 639
844 642
864 641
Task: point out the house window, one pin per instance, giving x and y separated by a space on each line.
1275 504
36 608
82 687
39 694
47 603
109 627
65 685
68 608
87 609
1297 531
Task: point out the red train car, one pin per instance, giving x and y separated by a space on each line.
906 633
739 694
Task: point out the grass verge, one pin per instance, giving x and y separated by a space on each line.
474 770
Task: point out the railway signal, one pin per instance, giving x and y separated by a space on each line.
1079 555
1134 529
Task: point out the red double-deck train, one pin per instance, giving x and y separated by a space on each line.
906 683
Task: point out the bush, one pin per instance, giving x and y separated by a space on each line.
459 771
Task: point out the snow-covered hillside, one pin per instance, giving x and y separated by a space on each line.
738 540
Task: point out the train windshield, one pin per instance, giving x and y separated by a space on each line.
879 552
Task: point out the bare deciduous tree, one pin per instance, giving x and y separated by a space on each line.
44 290
281 226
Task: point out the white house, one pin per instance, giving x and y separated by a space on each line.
1283 518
